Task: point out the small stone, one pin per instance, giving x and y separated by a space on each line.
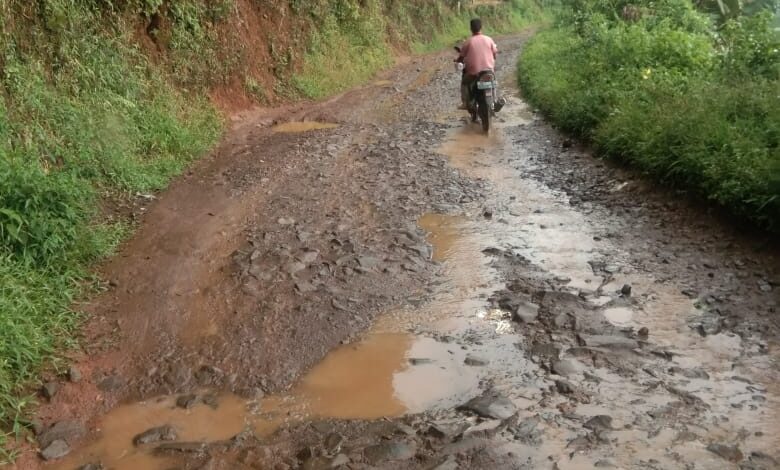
564 387
158 434
525 312
568 367
491 405
599 423
37 426
212 401
181 447
285 221
643 332
726 452
50 389
625 291
111 383
488 214
333 443
55 450
67 430
475 361
389 451
187 401
74 374
607 341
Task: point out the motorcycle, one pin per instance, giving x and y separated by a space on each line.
484 101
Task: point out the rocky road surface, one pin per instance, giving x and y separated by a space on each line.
369 282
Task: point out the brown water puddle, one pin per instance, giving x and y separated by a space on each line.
303 126
387 374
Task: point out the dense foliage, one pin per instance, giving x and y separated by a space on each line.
687 97
103 99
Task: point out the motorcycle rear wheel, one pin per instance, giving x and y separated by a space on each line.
484 112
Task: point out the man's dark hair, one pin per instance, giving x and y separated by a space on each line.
476 25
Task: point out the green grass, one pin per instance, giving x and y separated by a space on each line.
694 106
82 114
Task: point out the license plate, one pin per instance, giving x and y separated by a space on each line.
489 93
484 85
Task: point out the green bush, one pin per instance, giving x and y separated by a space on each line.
696 107
82 114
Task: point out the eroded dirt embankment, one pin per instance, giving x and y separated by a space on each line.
526 306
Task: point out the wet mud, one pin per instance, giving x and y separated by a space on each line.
402 291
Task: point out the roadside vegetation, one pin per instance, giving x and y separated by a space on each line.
103 101
688 95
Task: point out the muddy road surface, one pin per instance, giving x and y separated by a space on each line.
370 282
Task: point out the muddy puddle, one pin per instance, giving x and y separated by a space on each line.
391 372
302 126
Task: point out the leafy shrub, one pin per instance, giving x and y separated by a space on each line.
697 108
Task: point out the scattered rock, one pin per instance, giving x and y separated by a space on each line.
607 341
389 451
74 374
643 332
446 429
625 291
726 452
37 426
694 373
55 450
187 401
285 221
181 447
111 383
67 430
368 262
526 431
568 367
154 435
487 428
564 387
525 312
333 443
491 405
599 423
475 361
208 375
50 389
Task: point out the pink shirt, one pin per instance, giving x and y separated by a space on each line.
479 52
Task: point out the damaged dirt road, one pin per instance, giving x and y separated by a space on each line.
372 283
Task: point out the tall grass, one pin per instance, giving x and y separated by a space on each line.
693 104
82 114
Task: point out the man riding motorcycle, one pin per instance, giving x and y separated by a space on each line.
478 53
